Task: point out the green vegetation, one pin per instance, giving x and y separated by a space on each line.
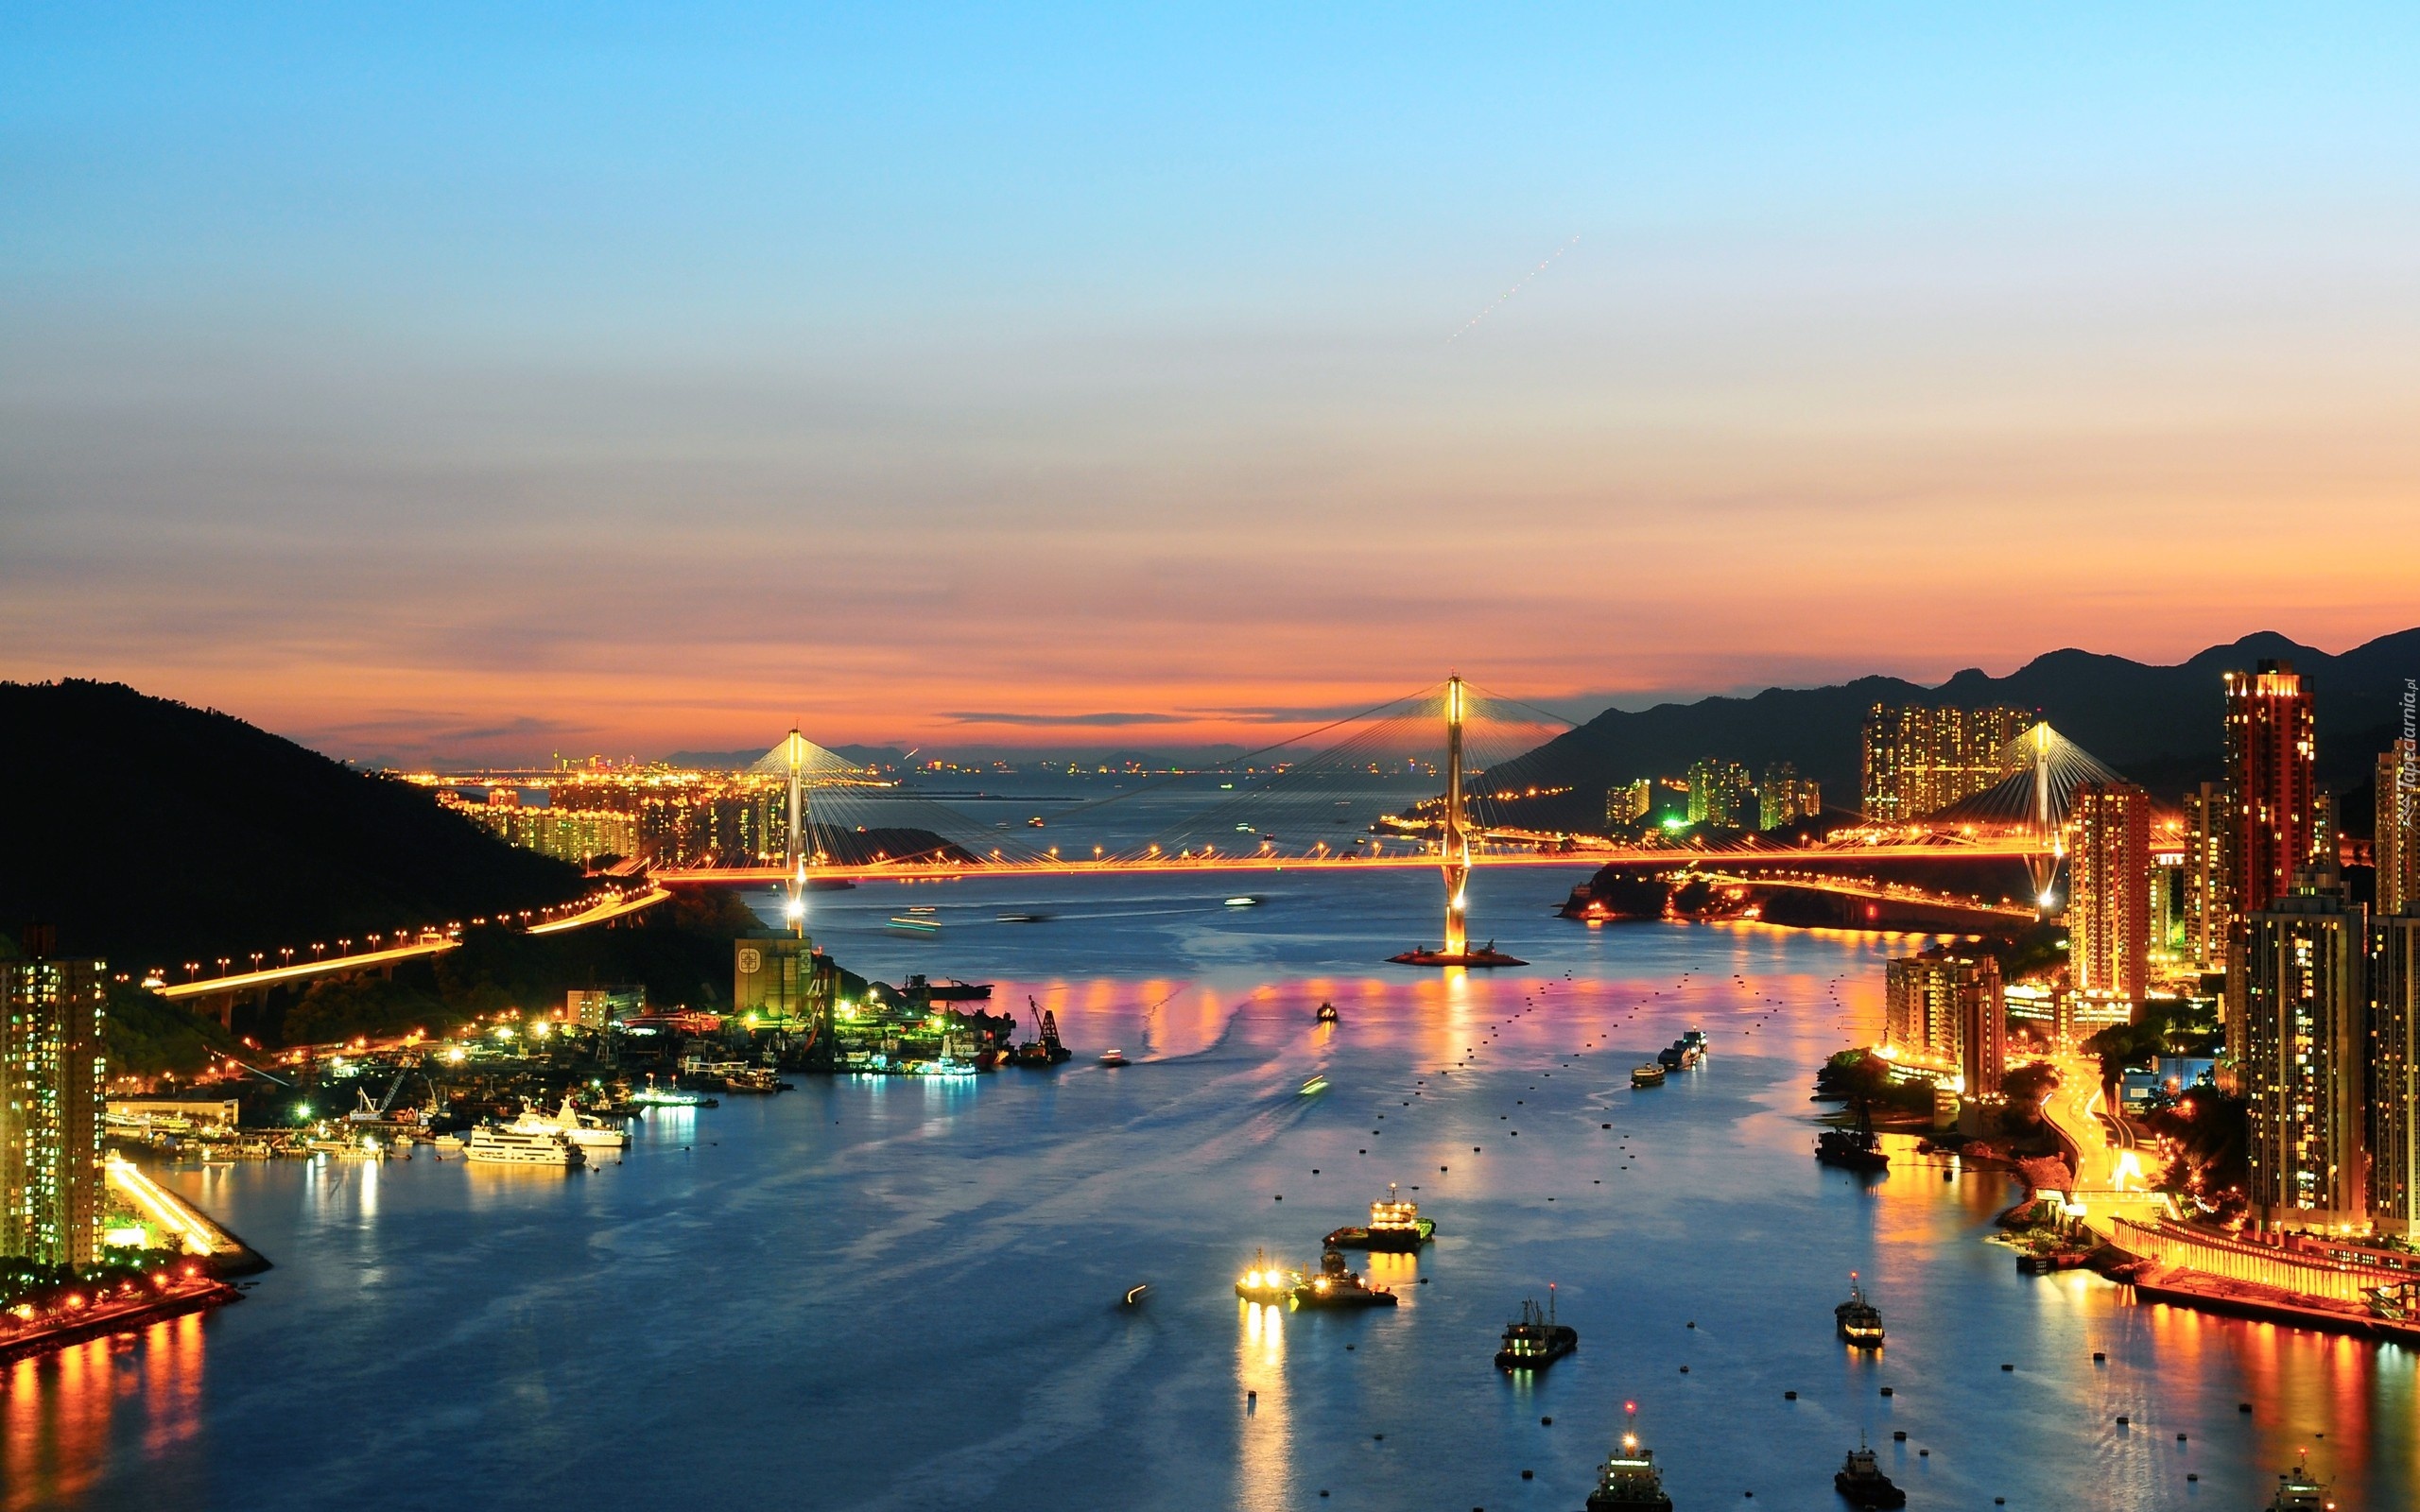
29 1282
1862 1078
2159 1028
145 1035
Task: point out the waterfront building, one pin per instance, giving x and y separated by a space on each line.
1917 761
595 1008
2393 1089
2109 930
2209 910
2270 753
1786 797
1946 1011
784 980
2303 1054
2395 845
52 1105
1721 794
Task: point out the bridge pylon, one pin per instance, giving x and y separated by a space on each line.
1455 852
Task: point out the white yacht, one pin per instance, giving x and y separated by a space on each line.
588 1133
510 1144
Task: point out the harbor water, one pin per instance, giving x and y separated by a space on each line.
896 1294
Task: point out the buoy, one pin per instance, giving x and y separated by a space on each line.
1790 1396
2008 1367
1526 1474
2099 1358
1886 1391
1924 1453
2121 1420
1899 1435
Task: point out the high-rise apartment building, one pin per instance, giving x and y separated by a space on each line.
2209 828
1918 761
2396 843
1628 803
2269 752
1947 1011
2109 930
2394 1086
51 1106
1786 797
2304 1054
1721 794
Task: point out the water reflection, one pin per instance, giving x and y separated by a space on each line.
1265 1476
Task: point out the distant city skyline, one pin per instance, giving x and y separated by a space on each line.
638 385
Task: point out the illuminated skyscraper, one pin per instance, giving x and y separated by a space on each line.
2395 846
1919 761
2303 1050
1628 803
2110 890
1786 797
1721 794
2209 825
2269 752
1947 1011
51 1106
2395 1072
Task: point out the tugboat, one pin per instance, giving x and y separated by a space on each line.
2298 1492
1537 1341
1327 1013
1860 1321
1267 1281
1861 1480
1649 1075
1335 1286
1678 1056
1629 1478
1858 1149
1394 1225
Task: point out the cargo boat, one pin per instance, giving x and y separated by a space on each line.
1537 1340
1860 1321
1395 1225
1335 1286
1861 1480
1629 1478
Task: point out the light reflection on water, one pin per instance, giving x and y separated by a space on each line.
878 1292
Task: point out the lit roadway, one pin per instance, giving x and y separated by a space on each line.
612 906
2110 1179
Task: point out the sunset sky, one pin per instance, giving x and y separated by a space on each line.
492 380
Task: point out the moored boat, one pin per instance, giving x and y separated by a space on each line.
1394 1226
1266 1281
1859 1320
1649 1075
1861 1480
587 1133
2298 1492
1628 1478
1537 1341
503 1144
1327 1013
1335 1286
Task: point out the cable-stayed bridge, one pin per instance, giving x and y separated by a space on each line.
1431 780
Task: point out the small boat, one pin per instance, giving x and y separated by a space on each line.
2298 1492
1859 1320
588 1133
1327 1013
1335 1286
1629 1478
447 1145
1395 1227
1022 919
1265 1280
1135 1293
651 1095
1649 1075
1112 1057
1861 1480
1243 903
1317 1082
1537 1340
905 925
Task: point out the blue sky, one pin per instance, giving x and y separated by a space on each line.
366 369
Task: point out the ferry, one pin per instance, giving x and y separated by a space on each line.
1629 1478
1245 901
503 1144
2298 1492
1327 1013
1537 1340
1394 1226
1649 1075
1335 1286
1265 1280
1861 1480
588 1133
1860 1321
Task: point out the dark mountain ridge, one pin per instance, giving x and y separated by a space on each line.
2160 724
155 833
